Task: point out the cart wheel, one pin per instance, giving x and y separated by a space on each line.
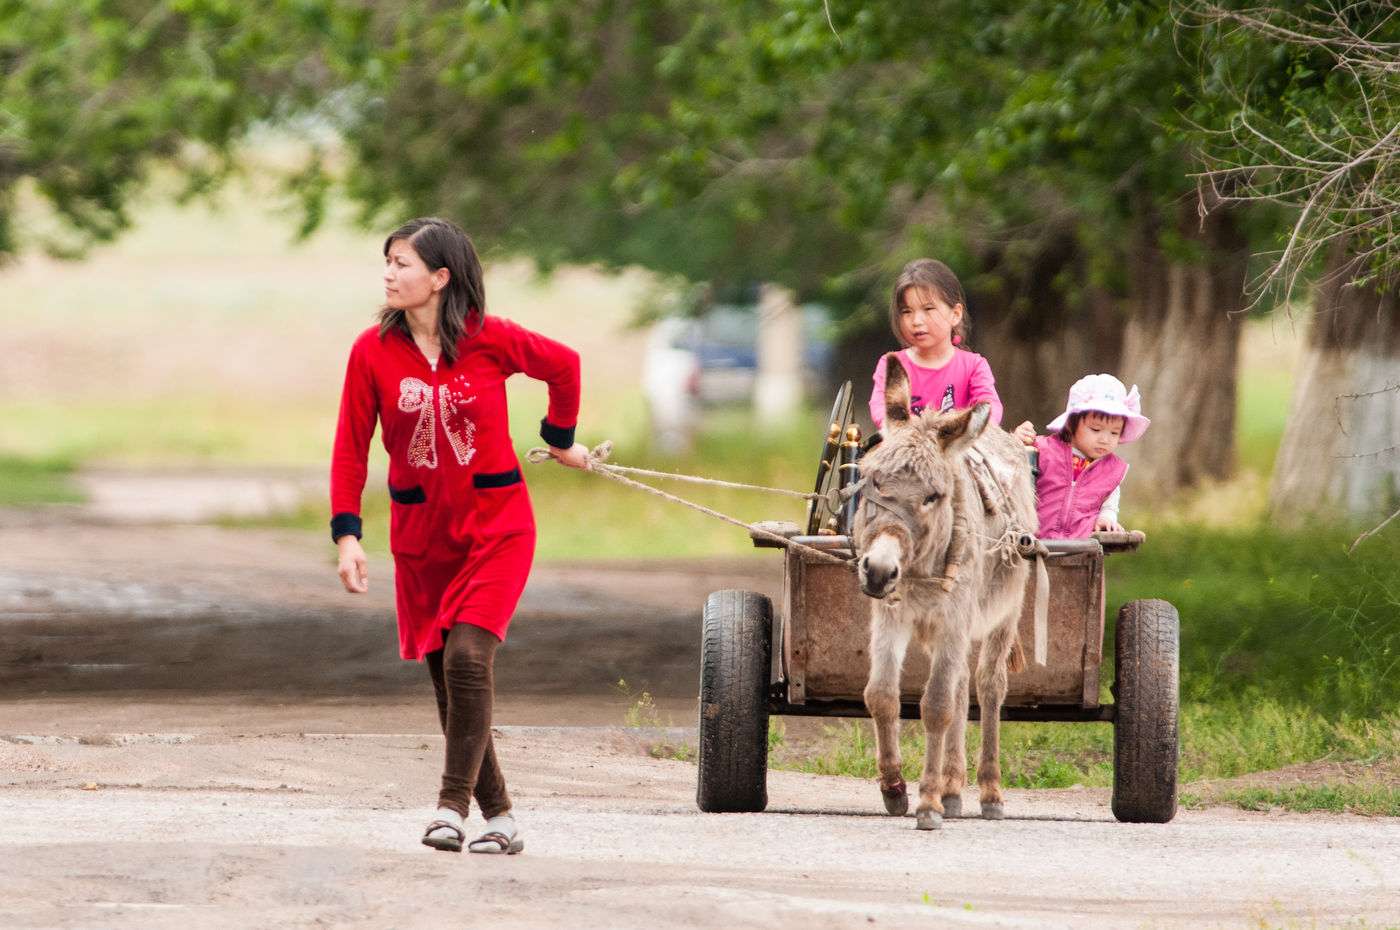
1145 733
734 671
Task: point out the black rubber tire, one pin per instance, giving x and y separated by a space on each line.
1146 733
735 651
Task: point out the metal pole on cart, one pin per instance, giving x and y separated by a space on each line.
850 453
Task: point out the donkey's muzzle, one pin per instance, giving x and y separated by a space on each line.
877 579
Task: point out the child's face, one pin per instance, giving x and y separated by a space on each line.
1097 435
925 319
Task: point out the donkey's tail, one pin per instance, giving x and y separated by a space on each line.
1015 659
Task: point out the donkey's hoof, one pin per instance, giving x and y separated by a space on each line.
992 810
896 798
928 820
952 805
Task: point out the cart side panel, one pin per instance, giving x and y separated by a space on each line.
1070 674
828 619
827 633
794 628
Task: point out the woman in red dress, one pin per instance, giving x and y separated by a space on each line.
432 374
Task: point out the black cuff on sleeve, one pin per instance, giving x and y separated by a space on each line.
346 524
559 437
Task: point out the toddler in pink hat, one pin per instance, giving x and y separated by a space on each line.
1079 485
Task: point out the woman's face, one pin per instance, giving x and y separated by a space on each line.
408 284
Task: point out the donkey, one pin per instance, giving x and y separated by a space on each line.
944 497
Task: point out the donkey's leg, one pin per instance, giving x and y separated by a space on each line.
955 750
991 692
889 638
936 711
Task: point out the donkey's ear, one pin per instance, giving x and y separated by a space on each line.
896 391
963 427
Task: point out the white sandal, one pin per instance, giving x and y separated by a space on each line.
444 835
503 837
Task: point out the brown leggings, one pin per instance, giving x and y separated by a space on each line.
462 678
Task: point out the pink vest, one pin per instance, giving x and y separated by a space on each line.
1068 508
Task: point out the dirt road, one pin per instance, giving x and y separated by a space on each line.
198 729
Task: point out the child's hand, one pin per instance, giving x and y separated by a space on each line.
1102 525
1025 432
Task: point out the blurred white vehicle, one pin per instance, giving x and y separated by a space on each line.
712 360
670 379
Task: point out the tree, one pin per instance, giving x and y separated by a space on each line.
812 145
1324 148
92 95
818 146
1044 150
1338 454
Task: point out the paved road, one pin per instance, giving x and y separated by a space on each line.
197 729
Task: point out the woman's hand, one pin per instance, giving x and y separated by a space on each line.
1025 432
354 567
574 457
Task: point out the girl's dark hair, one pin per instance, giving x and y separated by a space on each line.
1066 433
933 275
443 244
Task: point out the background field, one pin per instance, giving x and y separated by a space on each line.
206 338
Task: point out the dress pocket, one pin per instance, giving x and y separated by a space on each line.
502 503
409 520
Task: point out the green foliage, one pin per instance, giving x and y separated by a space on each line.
93 94
1308 101
810 144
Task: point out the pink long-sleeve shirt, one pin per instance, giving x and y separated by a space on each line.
964 381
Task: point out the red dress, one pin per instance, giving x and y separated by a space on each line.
461 527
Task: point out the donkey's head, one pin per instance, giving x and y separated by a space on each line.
905 518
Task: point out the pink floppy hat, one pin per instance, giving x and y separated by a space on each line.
1105 394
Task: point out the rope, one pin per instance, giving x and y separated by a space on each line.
597 462
628 470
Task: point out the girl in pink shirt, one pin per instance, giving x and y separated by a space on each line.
927 316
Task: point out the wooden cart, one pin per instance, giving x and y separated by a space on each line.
810 657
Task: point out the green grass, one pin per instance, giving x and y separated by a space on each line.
28 482
1368 800
190 430
1290 653
1290 617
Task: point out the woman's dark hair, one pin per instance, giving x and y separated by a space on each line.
443 244
933 275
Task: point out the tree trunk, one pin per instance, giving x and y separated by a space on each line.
1041 328
1338 455
1181 349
